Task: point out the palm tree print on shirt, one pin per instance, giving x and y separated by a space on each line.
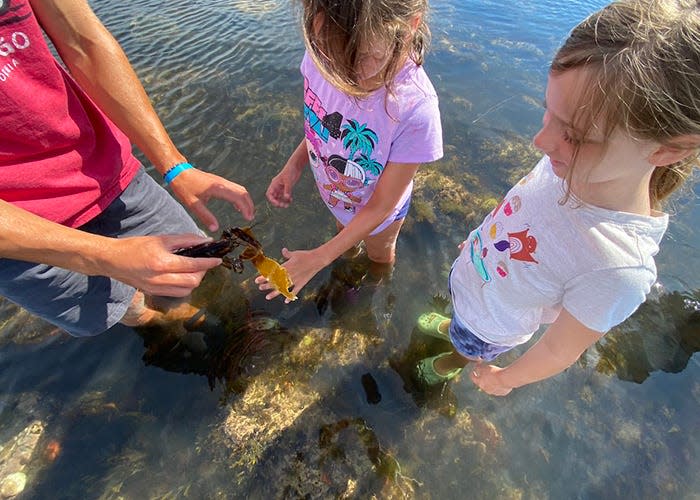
369 165
358 138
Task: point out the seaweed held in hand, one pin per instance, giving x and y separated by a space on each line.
231 239
271 270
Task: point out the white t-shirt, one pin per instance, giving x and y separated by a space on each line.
531 256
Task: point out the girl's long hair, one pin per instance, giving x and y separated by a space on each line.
348 27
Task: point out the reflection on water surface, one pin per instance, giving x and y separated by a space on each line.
313 399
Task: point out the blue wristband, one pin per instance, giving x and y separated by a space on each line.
175 171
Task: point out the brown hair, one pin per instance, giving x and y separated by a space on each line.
350 26
642 60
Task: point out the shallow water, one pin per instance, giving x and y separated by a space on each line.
309 398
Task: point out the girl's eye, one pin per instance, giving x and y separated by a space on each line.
571 139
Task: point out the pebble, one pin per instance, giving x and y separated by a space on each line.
13 484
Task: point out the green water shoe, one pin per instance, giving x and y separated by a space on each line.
429 324
427 375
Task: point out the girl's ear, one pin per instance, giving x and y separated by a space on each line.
677 150
415 22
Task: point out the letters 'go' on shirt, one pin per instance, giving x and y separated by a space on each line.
60 157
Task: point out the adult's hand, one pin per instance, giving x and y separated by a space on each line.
149 264
194 188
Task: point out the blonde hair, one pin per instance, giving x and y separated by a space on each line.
350 26
642 60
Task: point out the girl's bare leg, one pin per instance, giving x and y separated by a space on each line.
448 363
381 248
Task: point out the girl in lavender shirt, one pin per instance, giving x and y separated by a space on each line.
370 119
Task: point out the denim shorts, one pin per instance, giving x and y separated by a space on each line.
471 346
468 344
89 305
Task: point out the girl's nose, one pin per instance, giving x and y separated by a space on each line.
538 140
544 140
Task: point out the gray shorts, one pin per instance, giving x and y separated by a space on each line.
89 305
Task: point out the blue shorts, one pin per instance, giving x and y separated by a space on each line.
471 346
468 344
403 211
88 305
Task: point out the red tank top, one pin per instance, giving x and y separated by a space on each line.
60 157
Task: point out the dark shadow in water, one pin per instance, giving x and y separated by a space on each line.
357 295
353 299
216 351
227 347
439 397
661 336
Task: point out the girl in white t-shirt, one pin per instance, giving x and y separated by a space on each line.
572 244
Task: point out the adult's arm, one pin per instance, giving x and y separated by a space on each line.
98 63
559 347
144 262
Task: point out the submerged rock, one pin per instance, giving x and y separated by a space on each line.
13 484
14 457
290 407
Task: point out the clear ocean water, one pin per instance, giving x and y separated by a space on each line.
311 400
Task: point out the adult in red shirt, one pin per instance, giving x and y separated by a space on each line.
85 232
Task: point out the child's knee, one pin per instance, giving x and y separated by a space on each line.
383 258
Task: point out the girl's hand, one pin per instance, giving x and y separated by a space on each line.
195 188
279 193
486 378
301 265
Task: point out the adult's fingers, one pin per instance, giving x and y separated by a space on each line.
239 197
199 208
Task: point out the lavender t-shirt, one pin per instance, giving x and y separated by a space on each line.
351 140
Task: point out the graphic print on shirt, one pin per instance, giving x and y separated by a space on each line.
11 40
340 178
507 245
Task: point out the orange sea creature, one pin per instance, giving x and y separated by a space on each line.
52 450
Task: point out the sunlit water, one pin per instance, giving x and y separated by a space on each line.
136 421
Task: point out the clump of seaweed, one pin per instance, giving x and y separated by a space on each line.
285 408
450 193
510 158
661 335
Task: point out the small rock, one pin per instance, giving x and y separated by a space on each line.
13 484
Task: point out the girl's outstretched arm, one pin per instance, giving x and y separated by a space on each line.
558 348
279 192
302 265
